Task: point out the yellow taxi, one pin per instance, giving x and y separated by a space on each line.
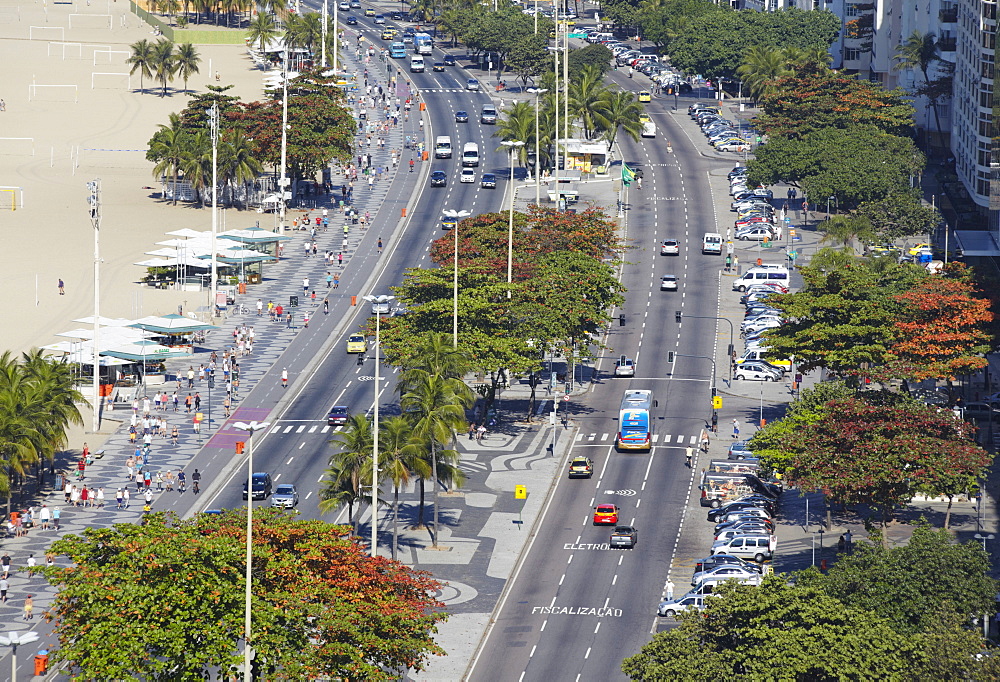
389 34
370 12
356 344
917 249
581 467
644 118
645 96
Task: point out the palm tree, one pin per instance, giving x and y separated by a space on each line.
142 59
262 30
843 230
519 124
435 354
618 110
186 61
762 68
585 93
400 459
197 163
171 146
237 162
305 31
168 7
435 406
345 479
920 51
164 63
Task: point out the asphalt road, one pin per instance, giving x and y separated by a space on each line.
576 608
295 449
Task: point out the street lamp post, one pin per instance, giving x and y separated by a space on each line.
983 538
213 119
94 201
511 145
457 217
378 318
13 640
538 92
835 203
284 143
250 428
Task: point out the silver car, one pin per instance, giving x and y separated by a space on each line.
671 607
721 573
285 496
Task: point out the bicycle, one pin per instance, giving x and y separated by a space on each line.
194 487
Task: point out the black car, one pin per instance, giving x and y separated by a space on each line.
261 486
438 66
716 560
338 415
396 16
721 512
489 181
351 20
439 179
461 117
450 60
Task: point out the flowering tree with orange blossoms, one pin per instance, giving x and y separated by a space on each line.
165 600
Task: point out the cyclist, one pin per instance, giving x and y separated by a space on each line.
411 165
305 320
181 481
284 378
195 479
326 306
689 456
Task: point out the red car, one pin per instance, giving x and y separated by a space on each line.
605 514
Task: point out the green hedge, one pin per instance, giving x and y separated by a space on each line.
187 35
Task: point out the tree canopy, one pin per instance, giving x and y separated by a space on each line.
164 600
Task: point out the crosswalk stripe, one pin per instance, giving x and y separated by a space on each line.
312 429
693 440
656 438
300 429
276 429
579 436
605 436
288 428
326 429
592 436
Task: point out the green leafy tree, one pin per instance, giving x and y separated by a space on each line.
858 165
911 584
901 213
748 631
321 606
529 57
596 56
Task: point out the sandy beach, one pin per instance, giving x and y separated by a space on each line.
106 130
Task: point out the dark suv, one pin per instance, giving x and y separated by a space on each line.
439 179
261 486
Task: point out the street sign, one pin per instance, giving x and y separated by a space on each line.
717 402
520 492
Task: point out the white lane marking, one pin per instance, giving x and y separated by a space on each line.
289 460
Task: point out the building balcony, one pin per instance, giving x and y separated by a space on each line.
948 15
946 44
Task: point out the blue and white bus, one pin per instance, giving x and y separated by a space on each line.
635 426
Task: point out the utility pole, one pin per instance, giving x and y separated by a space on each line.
284 145
213 119
94 202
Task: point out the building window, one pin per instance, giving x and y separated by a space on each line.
851 54
852 10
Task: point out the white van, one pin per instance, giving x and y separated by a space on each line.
755 547
470 154
442 147
712 243
761 274
416 64
758 353
648 129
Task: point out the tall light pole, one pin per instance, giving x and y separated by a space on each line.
13 640
457 217
336 24
555 110
565 77
284 143
512 146
538 92
323 39
378 319
250 428
94 203
213 120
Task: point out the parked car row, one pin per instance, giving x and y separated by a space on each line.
743 537
721 132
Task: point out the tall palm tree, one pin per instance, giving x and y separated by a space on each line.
171 146
262 30
843 230
237 162
344 480
618 110
585 93
400 460
920 51
164 63
186 61
141 59
762 68
435 354
518 124
305 31
436 407
197 163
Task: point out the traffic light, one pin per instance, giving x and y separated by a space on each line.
670 356
677 316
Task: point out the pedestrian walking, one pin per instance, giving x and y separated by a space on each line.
736 429
284 378
704 440
125 498
4 586
100 498
380 246
5 565
31 564
62 288
336 281
670 588
56 516
29 607
329 279
190 378
196 422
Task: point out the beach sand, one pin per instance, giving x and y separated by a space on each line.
51 236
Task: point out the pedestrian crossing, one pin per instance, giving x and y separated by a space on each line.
678 440
303 428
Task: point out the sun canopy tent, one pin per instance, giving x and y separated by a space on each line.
171 325
143 351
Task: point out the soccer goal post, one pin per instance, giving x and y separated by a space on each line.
56 90
11 198
82 19
21 146
61 29
117 80
110 54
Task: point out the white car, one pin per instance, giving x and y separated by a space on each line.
668 283
468 175
756 234
724 573
754 371
625 367
762 322
669 247
671 607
